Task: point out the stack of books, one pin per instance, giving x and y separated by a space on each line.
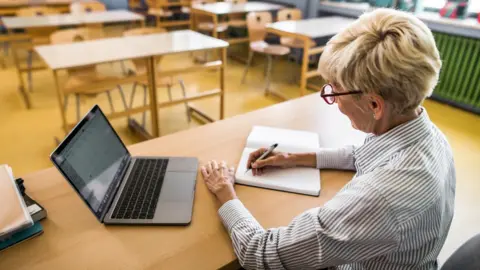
19 214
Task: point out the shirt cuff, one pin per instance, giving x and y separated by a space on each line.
232 212
341 158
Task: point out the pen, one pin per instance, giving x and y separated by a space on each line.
264 155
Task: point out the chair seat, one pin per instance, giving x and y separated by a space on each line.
87 77
208 26
295 43
264 47
160 12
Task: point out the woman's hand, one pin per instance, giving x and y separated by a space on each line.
279 160
220 179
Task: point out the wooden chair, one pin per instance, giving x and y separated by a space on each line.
86 7
204 23
37 36
256 24
157 8
236 20
141 68
292 14
84 81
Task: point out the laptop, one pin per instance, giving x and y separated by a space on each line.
119 188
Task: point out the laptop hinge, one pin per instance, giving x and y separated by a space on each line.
118 182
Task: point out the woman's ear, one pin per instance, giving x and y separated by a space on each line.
377 105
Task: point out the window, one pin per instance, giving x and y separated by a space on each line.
438 4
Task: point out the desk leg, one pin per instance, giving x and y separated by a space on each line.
61 106
21 85
303 77
222 82
153 96
215 26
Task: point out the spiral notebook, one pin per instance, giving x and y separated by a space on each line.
297 180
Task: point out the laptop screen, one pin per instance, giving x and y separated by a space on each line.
90 158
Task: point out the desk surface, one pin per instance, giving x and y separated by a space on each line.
313 28
122 48
71 19
229 8
74 239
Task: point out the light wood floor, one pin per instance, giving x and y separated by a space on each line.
27 136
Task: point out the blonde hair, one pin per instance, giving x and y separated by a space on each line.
386 52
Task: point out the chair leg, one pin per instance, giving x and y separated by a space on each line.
269 73
122 95
184 93
144 116
112 108
65 102
29 65
249 63
132 96
169 90
77 97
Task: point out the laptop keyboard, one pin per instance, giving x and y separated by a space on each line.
142 189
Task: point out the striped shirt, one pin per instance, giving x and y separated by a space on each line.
394 214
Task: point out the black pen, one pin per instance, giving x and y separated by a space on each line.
264 155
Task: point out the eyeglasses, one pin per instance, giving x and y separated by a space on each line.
329 96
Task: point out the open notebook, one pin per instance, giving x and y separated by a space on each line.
298 180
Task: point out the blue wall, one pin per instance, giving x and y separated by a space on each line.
116 4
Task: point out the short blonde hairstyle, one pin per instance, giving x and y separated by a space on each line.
387 52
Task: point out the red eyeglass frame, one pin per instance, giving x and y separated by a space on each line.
326 96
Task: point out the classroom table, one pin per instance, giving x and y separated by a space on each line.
306 30
81 54
111 16
74 239
10 7
52 22
214 10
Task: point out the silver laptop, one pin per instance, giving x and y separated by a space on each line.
119 188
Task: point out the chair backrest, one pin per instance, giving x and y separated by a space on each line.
35 11
256 24
86 7
144 31
289 14
236 1
466 257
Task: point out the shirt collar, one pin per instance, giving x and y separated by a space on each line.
379 149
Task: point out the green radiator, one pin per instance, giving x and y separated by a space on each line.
459 83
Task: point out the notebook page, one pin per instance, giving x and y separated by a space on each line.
288 140
299 179
15 216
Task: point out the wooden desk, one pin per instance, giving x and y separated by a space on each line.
51 22
74 239
214 10
71 19
307 30
10 7
67 56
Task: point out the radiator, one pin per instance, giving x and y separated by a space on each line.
459 83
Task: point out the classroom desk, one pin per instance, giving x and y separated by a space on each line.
71 19
51 22
214 10
307 30
10 7
81 54
74 239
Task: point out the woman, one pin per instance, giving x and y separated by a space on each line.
396 211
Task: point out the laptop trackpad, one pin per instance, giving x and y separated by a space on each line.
176 198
